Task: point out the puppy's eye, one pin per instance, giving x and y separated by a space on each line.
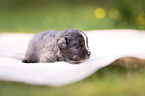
77 45
74 44
81 44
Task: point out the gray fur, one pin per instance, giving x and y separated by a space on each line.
51 46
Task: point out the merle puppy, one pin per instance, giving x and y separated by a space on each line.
49 46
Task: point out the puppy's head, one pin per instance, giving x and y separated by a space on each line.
74 46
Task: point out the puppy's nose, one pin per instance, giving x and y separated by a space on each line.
88 53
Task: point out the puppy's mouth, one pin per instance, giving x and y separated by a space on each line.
77 57
77 60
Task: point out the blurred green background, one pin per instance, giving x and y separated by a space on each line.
40 15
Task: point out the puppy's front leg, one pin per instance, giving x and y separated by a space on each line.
47 57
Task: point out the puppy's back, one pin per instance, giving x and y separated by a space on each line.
36 45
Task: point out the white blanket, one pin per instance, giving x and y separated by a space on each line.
106 46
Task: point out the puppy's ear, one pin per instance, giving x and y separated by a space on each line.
63 42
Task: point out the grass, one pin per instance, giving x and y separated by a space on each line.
59 17
39 15
105 82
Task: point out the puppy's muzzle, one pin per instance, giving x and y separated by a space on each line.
83 56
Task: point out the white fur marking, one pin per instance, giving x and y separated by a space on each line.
85 38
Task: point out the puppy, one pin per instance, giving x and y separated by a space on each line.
49 46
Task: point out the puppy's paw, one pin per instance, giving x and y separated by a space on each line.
25 61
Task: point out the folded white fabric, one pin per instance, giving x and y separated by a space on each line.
106 46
